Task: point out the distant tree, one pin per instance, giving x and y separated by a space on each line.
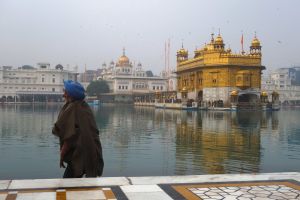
95 88
149 73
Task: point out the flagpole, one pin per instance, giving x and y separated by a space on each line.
242 43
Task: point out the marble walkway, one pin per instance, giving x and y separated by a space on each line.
208 187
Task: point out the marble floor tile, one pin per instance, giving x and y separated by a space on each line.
213 178
34 183
103 181
3 196
141 188
147 195
74 182
85 195
37 196
4 184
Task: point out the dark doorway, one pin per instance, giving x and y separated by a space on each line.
247 98
200 96
248 102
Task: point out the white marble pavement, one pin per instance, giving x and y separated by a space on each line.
134 187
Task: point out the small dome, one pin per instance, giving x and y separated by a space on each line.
264 94
255 42
123 60
219 40
234 93
182 51
274 93
112 62
139 64
59 66
184 89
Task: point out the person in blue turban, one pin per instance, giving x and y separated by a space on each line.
80 145
74 90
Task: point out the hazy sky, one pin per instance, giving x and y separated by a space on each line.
79 32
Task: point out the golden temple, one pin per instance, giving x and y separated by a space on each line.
214 73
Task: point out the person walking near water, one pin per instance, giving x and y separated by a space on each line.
80 146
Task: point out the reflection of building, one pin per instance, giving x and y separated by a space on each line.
221 142
214 72
124 79
33 84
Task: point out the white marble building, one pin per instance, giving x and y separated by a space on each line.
124 78
27 83
280 80
172 80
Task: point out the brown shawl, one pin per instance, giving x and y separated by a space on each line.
76 124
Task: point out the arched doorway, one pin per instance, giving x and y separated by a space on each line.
10 99
248 101
200 96
3 99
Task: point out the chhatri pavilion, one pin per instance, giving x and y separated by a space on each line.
215 74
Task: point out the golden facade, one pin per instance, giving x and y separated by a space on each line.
215 72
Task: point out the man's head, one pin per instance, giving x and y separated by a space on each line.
73 90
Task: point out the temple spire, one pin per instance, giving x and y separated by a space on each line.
212 37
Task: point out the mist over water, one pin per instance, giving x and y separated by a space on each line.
143 141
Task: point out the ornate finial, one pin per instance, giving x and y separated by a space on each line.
123 51
219 32
212 37
254 34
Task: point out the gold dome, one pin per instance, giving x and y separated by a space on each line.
234 93
123 59
264 94
219 40
182 51
255 42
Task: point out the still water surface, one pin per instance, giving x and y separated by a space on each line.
142 141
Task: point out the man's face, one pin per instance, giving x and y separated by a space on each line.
65 96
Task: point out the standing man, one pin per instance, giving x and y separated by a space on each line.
80 146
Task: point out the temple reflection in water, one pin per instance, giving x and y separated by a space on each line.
220 142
